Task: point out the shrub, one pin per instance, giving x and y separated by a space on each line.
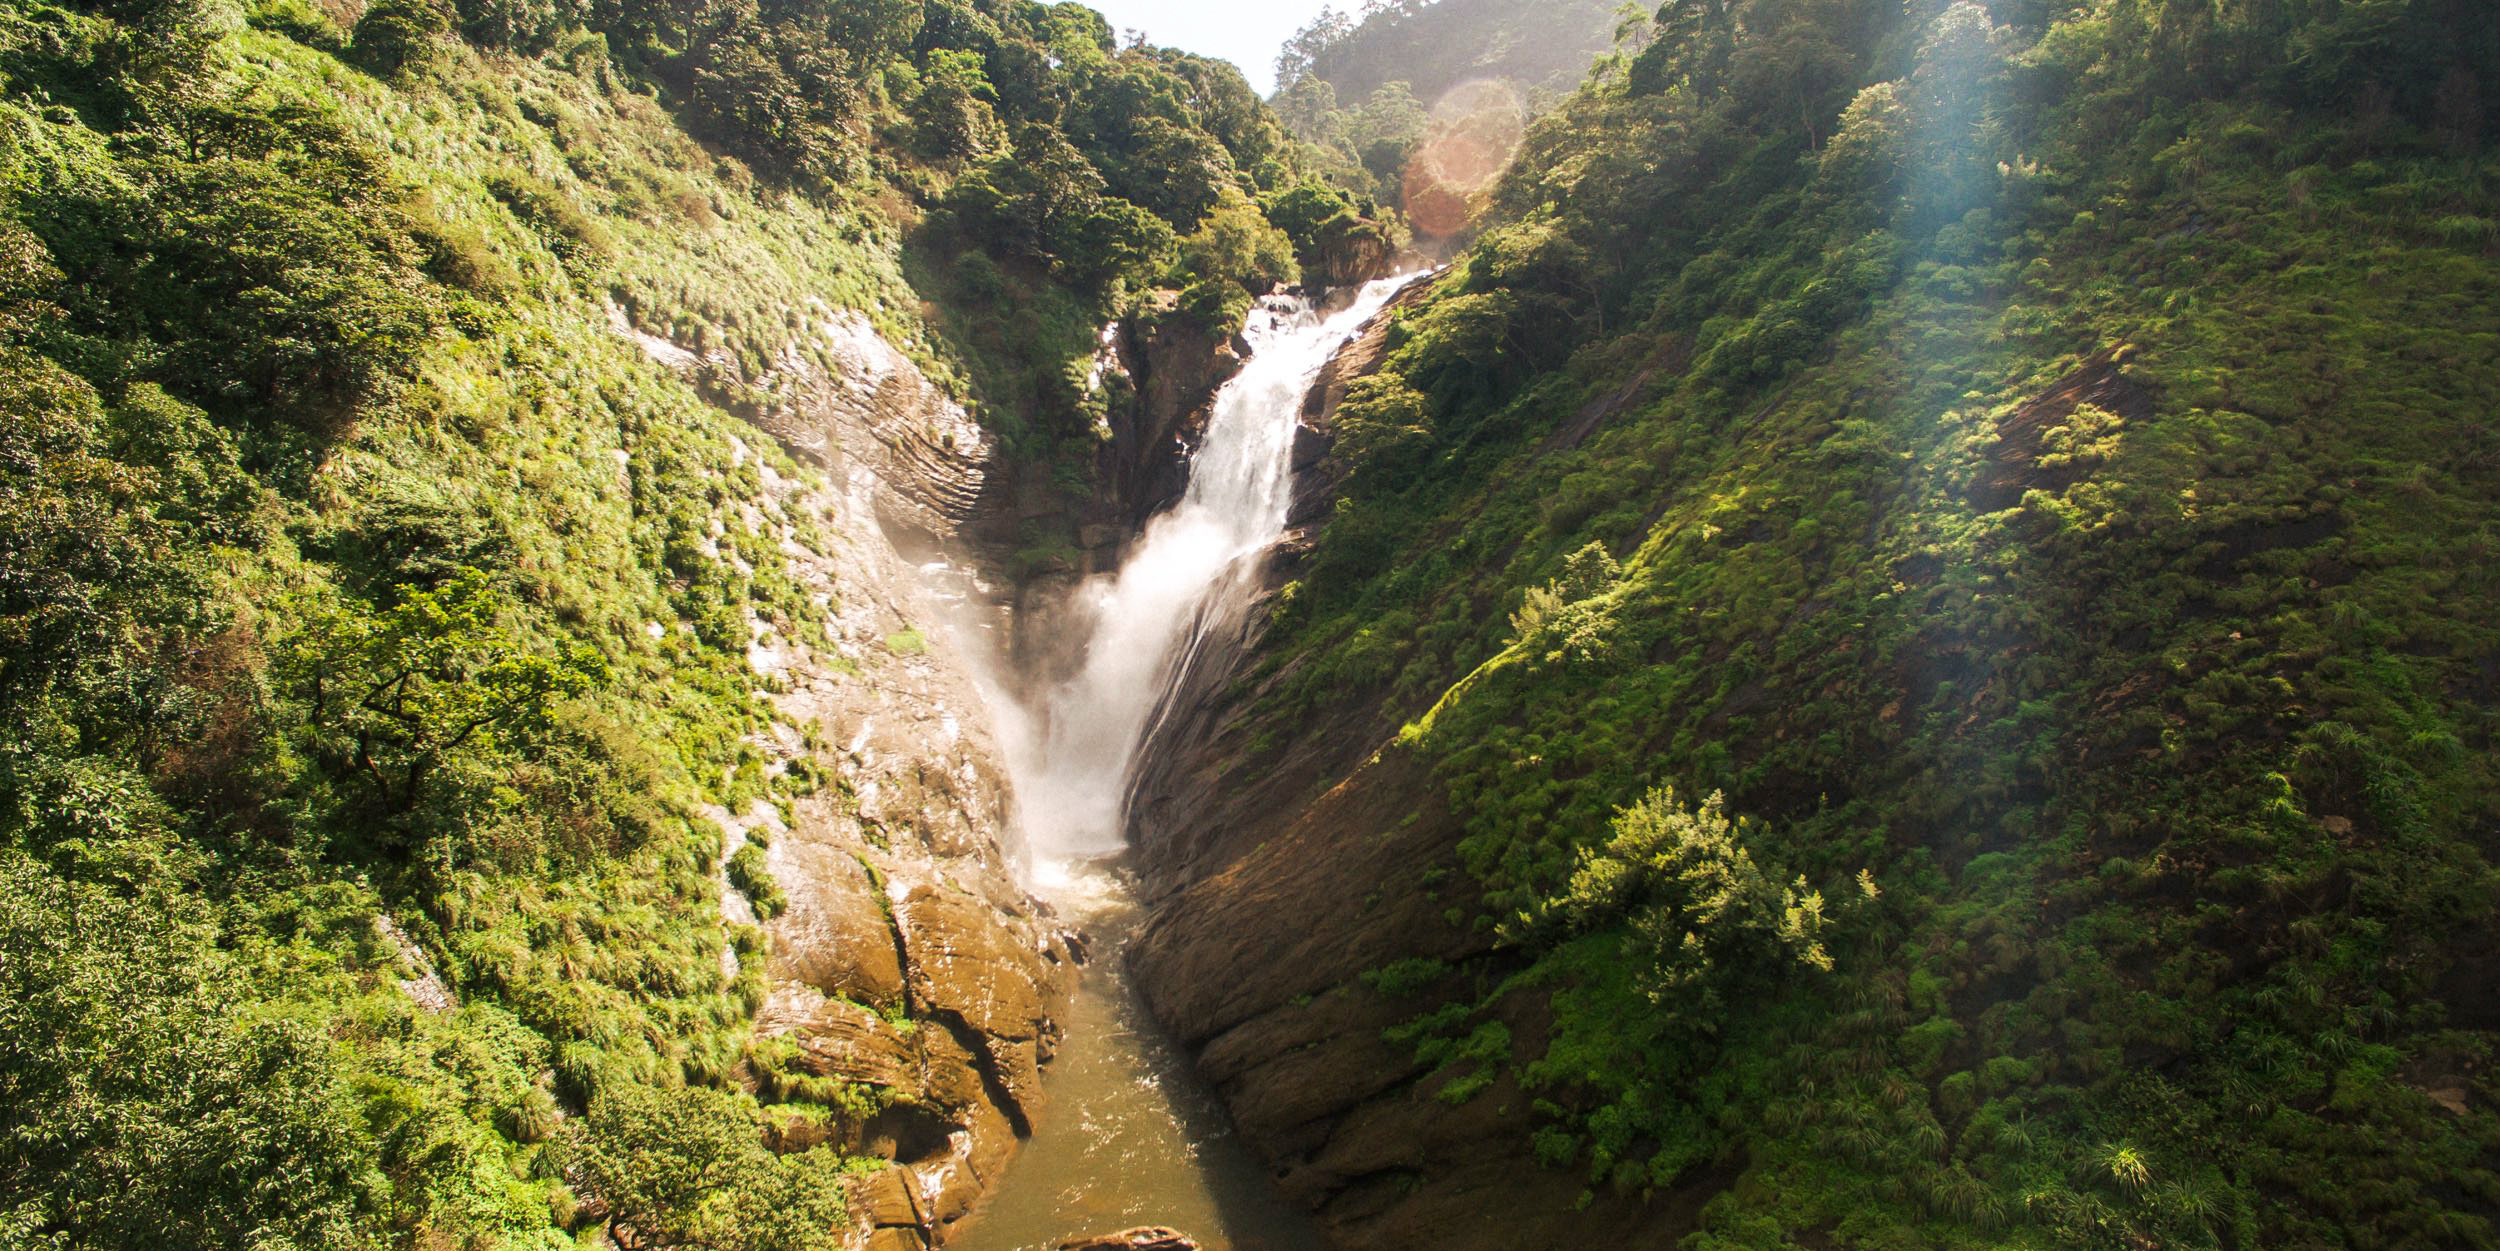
533 1117
396 36
1700 916
460 256
747 872
273 289
140 1088
74 550
689 1168
545 208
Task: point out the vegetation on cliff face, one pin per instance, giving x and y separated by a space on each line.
374 618
2040 454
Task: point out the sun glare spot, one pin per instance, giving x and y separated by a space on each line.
1476 129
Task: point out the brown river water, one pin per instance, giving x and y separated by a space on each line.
1128 1136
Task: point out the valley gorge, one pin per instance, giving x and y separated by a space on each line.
891 624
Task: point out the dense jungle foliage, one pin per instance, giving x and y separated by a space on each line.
1945 555
373 615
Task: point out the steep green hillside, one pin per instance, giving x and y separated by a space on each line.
1944 558
375 618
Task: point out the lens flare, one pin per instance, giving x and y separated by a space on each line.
1476 129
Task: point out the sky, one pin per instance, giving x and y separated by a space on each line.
1247 33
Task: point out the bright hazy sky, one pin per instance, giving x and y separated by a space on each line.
1247 33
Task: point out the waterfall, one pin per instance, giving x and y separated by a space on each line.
1072 760
1131 1138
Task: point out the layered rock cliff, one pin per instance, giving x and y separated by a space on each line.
908 962
1259 967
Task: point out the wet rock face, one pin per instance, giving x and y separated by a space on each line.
907 966
836 935
1174 370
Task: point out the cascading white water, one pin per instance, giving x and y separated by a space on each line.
1071 777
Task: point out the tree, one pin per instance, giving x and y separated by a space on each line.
1034 199
77 547
1301 210
786 92
171 66
874 32
438 683
1544 253
1172 170
140 1106
1220 102
1468 348
1702 918
1301 53
1792 70
1238 245
1308 107
1949 95
521 25
394 35
1120 247
955 113
1384 132
1867 149
1335 240
1693 42
688 1168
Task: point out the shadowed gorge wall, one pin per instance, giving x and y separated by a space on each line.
1894 659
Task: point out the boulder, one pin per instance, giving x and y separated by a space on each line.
840 1039
834 937
885 1199
964 963
1143 1238
896 1238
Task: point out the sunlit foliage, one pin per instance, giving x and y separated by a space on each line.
2042 449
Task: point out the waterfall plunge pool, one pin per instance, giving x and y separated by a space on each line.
1128 1135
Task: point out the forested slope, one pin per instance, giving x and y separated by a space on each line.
394 607
1434 45
1373 89
1934 565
